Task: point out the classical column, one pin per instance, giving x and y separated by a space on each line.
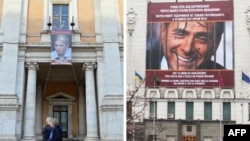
30 103
91 111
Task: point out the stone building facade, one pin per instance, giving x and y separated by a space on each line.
84 98
174 126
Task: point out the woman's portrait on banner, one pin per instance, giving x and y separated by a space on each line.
61 51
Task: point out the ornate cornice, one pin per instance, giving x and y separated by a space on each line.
60 1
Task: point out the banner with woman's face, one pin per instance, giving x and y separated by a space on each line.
61 51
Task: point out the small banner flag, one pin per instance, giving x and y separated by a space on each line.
61 47
138 77
245 77
157 80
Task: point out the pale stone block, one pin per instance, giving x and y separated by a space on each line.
7 125
113 117
161 110
199 110
180 110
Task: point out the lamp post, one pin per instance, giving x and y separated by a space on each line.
154 122
131 19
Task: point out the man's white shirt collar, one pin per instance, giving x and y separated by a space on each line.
164 63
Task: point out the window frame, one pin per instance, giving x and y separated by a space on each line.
189 110
48 12
61 15
153 109
208 111
226 111
171 109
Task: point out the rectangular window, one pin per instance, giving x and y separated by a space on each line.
189 110
153 110
226 111
208 110
152 138
171 110
129 109
60 17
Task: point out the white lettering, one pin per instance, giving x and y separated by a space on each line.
231 132
243 131
237 131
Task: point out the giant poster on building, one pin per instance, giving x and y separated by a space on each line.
190 44
61 51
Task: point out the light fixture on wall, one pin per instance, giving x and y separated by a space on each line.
72 23
131 19
49 23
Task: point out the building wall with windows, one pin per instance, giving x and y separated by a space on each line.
180 107
80 94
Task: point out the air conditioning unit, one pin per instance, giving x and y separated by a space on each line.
170 115
151 115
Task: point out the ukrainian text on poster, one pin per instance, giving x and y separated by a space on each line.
196 11
189 44
189 78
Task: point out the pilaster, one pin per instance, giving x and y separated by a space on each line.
10 28
112 108
112 101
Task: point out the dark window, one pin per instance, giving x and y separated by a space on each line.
60 17
153 110
189 110
208 110
189 128
226 111
152 138
129 109
171 109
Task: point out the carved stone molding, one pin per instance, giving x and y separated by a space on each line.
217 92
32 65
248 18
198 92
60 1
89 66
180 92
131 19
